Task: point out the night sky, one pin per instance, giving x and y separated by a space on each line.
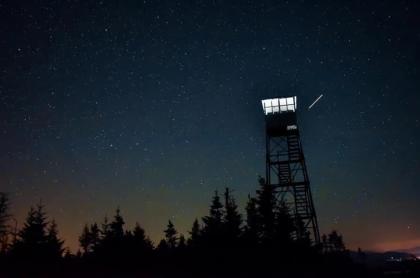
153 105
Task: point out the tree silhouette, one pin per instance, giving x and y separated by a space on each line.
85 240
105 228
54 245
162 247
32 237
232 220
251 230
140 240
268 240
297 225
333 242
195 234
284 225
95 236
117 226
182 242
221 245
267 204
171 235
115 246
213 223
37 240
4 218
112 243
90 238
137 247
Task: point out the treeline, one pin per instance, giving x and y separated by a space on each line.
224 241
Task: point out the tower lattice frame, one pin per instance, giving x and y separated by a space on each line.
286 167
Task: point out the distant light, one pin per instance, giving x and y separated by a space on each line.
279 105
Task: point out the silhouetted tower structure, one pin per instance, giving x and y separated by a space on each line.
285 164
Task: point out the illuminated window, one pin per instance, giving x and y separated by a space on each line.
279 105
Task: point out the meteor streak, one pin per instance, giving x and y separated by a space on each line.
310 106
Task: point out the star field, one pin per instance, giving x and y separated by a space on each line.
153 105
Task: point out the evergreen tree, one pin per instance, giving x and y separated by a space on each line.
33 240
90 238
140 240
54 244
232 219
213 223
303 235
4 219
112 244
162 246
95 236
139 233
284 226
195 234
181 243
105 231
117 226
85 240
336 242
251 233
34 229
171 235
266 201
104 246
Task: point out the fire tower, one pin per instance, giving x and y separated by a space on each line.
285 164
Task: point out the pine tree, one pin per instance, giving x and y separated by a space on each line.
140 240
106 230
251 232
137 247
4 218
32 242
33 232
112 244
303 235
266 201
117 226
139 233
171 235
90 238
85 240
284 226
195 234
232 219
213 223
104 239
162 246
216 209
336 242
181 243
95 236
54 244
